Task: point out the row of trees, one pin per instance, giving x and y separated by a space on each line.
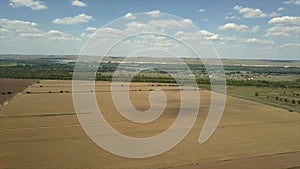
282 99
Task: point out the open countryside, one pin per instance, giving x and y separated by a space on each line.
50 132
131 84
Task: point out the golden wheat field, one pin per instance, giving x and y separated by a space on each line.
39 129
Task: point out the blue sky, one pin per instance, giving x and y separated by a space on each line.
237 28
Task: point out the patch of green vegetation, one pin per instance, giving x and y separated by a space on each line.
287 98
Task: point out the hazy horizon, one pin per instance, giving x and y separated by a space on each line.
70 55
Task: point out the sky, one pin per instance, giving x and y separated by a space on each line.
243 29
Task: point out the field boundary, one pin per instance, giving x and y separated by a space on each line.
259 101
16 94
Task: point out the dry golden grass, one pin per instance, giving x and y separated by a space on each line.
40 130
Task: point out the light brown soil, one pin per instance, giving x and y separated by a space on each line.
41 130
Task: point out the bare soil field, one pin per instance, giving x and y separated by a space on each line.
10 87
40 129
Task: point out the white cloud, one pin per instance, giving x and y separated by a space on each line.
31 35
4 31
78 3
201 10
209 35
187 21
50 35
254 28
129 16
136 26
290 45
280 9
58 35
91 29
255 13
18 26
107 31
283 31
87 34
199 35
29 30
234 27
33 4
154 14
250 12
231 17
240 28
159 25
82 18
25 37
170 23
274 14
102 33
249 40
284 26
295 2
258 41
285 20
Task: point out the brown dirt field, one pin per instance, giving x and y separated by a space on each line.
14 86
40 130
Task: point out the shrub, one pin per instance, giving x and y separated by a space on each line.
256 94
8 92
293 101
